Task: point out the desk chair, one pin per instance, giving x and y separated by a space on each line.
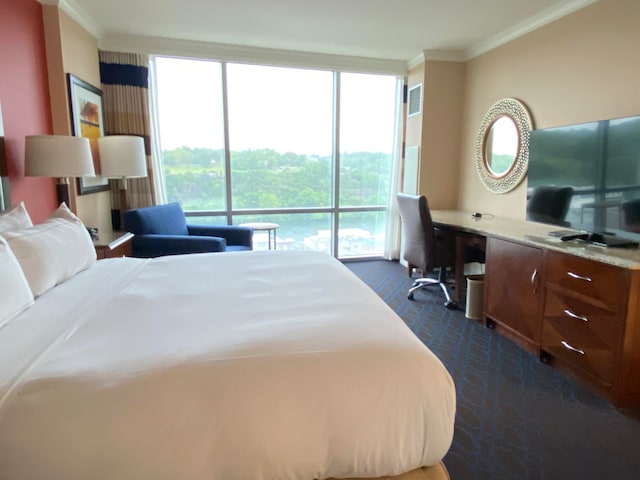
424 248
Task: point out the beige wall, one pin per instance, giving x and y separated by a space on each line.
582 67
71 49
441 133
437 130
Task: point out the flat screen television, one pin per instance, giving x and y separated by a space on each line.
600 161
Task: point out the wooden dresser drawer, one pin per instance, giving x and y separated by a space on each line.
581 333
598 281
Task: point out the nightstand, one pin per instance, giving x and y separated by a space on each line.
113 244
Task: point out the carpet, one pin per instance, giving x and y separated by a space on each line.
516 418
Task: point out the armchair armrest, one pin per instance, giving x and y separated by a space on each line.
153 245
233 234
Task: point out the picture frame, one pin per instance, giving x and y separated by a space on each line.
85 104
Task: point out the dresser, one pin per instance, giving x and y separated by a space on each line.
574 305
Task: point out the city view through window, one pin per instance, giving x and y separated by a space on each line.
310 150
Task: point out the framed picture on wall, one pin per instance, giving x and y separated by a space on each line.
85 103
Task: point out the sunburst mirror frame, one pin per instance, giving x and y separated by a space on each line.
516 111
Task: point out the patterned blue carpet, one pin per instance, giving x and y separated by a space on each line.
517 418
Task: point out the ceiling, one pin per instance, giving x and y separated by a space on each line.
383 29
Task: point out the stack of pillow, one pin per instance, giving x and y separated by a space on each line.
36 258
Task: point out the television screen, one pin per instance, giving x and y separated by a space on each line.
600 162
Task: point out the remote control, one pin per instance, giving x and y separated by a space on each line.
574 236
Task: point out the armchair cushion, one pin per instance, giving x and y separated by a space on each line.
234 235
153 245
165 219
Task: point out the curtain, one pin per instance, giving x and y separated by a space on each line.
156 149
392 233
124 79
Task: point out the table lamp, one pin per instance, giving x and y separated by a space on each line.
122 157
5 199
4 168
58 156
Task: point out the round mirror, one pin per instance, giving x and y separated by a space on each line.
502 147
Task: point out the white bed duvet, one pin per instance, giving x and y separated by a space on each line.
253 365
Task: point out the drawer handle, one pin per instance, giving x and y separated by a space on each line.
573 349
569 313
579 277
534 278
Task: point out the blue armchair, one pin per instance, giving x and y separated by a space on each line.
162 230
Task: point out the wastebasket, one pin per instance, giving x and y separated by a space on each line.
474 308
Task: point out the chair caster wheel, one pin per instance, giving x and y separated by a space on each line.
451 305
410 296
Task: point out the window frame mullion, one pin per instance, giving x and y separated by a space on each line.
227 148
336 165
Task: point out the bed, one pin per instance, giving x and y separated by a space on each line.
247 365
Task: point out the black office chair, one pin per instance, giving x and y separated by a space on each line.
549 204
424 247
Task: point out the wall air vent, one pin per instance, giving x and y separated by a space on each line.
414 100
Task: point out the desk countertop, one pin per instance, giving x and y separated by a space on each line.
535 234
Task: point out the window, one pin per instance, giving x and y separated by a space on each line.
280 136
191 132
310 150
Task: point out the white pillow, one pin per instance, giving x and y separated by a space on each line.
15 291
52 251
15 218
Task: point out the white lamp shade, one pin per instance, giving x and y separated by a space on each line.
122 156
58 156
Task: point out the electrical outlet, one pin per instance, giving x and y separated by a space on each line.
93 231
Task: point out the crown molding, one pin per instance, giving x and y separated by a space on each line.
240 53
437 56
444 55
533 23
71 8
218 51
415 61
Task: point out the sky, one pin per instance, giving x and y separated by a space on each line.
284 109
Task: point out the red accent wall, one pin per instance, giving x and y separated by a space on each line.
24 95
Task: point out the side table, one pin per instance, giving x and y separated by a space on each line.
113 244
264 226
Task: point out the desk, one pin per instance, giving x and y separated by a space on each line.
534 234
475 230
573 304
264 226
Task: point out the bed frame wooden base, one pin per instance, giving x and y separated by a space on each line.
436 472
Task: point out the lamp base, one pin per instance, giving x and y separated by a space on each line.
123 200
115 220
64 194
